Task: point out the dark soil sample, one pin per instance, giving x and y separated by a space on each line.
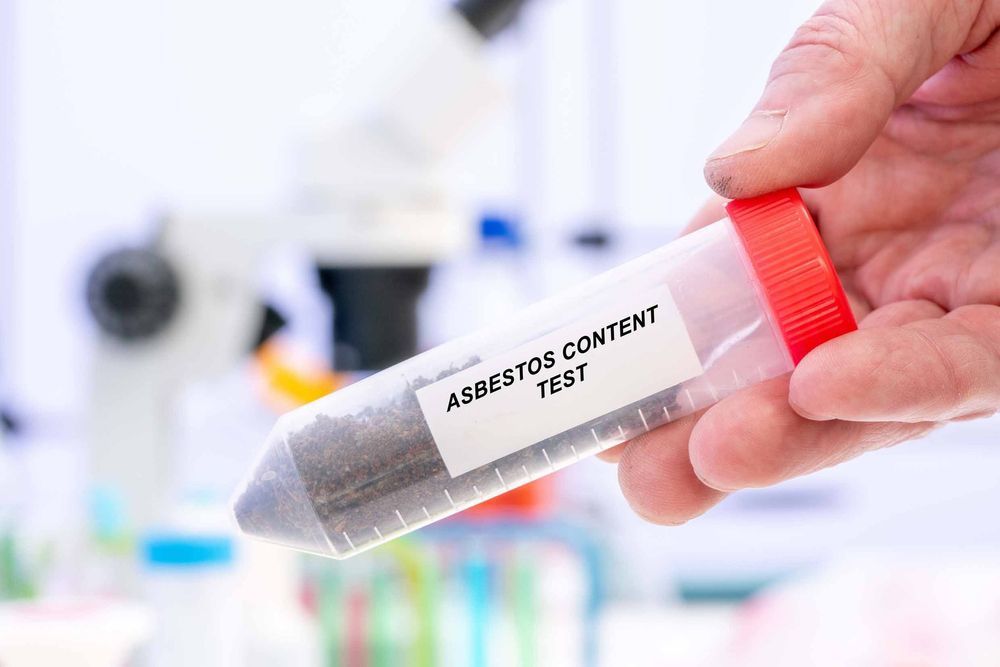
275 507
351 464
362 477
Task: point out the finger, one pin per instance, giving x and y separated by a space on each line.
972 78
902 312
939 369
657 479
754 439
833 88
711 211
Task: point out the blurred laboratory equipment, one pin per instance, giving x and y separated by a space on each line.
373 208
8 424
82 632
22 566
478 592
6 479
434 89
110 564
191 585
489 283
881 609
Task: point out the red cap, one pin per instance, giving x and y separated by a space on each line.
793 269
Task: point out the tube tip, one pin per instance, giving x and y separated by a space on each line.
273 505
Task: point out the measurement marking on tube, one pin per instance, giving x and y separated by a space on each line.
526 473
711 390
687 392
575 453
667 413
622 432
402 520
478 492
643 418
448 495
501 479
329 543
426 513
597 440
547 459
378 532
736 379
348 538
760 373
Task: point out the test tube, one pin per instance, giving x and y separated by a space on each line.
663 336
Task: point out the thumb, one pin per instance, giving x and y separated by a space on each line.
833 88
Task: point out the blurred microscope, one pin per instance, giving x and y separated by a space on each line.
375 212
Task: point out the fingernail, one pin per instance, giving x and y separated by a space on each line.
713 485
808 414
755 133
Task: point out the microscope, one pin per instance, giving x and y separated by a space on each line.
376 215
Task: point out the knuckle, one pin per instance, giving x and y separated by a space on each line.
985 317
981 328
963 360
845 41
829 35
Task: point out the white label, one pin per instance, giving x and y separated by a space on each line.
575 374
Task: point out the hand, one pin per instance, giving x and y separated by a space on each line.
892 109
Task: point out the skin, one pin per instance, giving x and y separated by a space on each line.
889 111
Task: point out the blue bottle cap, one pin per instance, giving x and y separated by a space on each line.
187 550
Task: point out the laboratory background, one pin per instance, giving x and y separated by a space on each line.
212 212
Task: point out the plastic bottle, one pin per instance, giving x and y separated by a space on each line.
735 303
192 588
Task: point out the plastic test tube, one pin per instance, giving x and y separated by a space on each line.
735 303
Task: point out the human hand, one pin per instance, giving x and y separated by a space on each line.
892 109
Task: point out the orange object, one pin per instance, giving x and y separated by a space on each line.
529 500
290 378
